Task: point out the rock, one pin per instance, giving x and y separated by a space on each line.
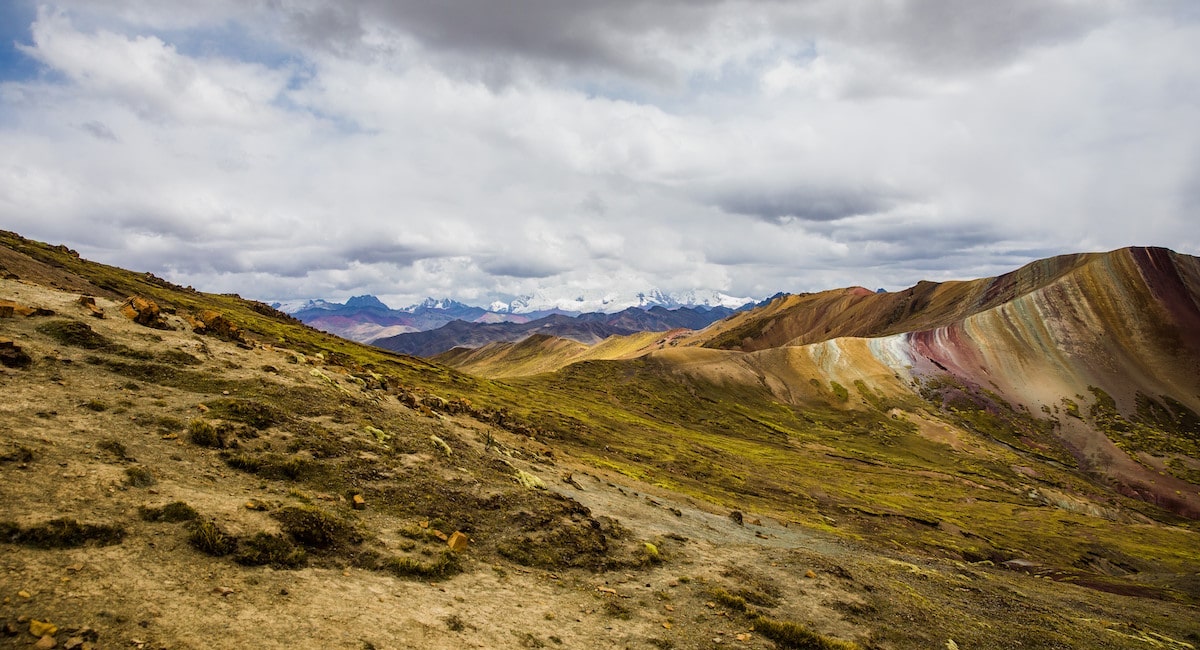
89 303
6 311
24 594
73 643
45 643
810 574
12 356
214 323
10 629
457 542
42 628
440 535
145 312
737 517
357 502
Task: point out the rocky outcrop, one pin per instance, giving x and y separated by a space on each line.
145 312
214 323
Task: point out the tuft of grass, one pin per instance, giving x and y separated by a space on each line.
61 533
171 513
729 601
446 564
267 549
115 448
617 609
317 529
454 623
202 432
95 405
272 466
139 477
794 636
248 411
839 391
207 537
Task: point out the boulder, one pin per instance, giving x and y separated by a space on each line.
214 323
145 312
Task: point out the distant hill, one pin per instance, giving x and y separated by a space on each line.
585 328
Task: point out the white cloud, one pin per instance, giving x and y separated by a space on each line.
409 150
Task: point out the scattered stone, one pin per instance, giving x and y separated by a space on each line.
810 574
75 567
24 594
457 542
358 503
440 535
145 312
569 479
42 628
743 637
737 517
223 591
258 505
756 522
74 643
89 303
10 629
46 643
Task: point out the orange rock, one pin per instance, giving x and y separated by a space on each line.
357 502
144 311
457 542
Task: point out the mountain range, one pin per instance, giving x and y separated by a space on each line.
368 320
1004 462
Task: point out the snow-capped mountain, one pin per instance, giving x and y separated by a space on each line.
609 303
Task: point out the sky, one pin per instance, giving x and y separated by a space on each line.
486 149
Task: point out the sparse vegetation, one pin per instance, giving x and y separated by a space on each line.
444 565
139 477
61 533
74 334
267 549
172 512
207 537
204 433
794 636
317 529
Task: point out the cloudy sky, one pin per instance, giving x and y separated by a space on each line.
483 149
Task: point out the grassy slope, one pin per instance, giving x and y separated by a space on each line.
853 466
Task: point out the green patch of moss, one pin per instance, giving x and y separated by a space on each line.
839 391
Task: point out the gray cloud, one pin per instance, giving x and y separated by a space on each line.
805 203
99 130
